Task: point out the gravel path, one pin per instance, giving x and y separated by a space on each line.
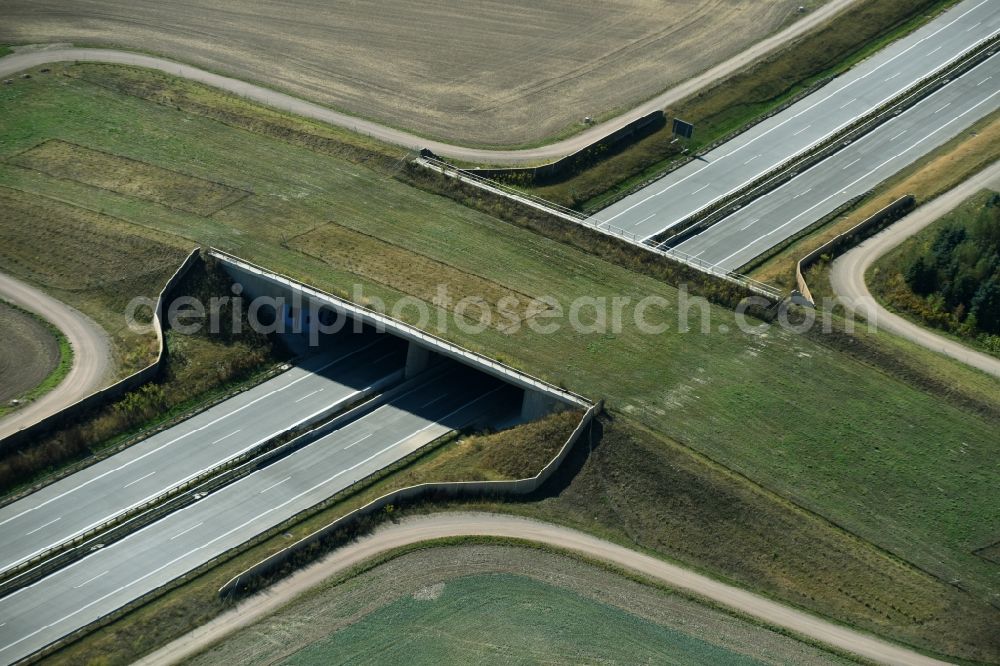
847 275
436 526
91 354
27 59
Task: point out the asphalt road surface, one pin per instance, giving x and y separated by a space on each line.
740 161
847 275
111 577
444 525
91 354
27 59
806 199
97 493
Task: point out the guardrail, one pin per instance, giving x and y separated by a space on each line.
136 517
384 322
521 486
822 149
499 188
862 230
451 489
618 233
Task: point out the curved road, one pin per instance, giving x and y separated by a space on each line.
27 59
91 354
443 525
847 275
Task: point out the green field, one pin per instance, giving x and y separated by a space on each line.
906 466
501 604
511 619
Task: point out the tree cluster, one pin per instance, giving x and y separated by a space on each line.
959 273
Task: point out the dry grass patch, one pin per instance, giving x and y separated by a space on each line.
503 73
96 262
415 274
131 177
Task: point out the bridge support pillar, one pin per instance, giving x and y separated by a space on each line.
417 359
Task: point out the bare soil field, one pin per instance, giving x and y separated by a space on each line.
500 603
29 353
491 73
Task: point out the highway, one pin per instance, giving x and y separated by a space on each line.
101 491
809 197
77 595
738 162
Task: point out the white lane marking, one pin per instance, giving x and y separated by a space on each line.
132 483
751 159
851 164
359 441
308 395
428 404
645 219
803 112
984 81
42 527
274 485
245 523
970 29
700 188
193 527
802 130
89 580
937 49
802 194
943 108
898 135
163 446
849 103
752 222
924 138
893 76
695 256
226 437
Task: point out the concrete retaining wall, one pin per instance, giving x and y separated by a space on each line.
98 399
845 241
412 494
569 165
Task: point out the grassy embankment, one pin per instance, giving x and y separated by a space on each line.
953 276
493 602
35 358
837 433
98 263
742 97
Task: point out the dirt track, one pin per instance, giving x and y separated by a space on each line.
497 102
462 524
91 354
847 275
